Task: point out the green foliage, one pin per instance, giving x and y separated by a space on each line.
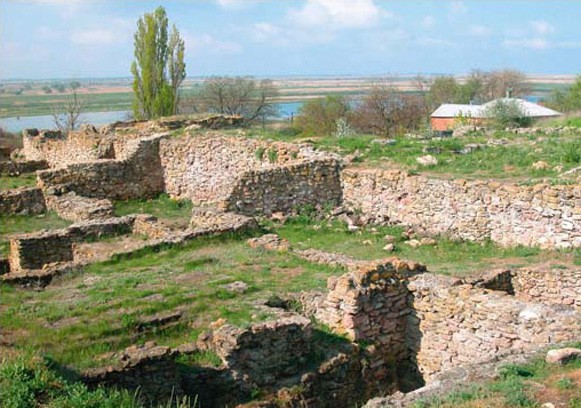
272 155
506 114
319 116
159 68
30 381
568 100
259 153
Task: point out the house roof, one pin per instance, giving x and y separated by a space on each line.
451 110
530 109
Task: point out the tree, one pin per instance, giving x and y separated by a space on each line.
444 89
506 114
498 83
247 97
385 110
67 116
320 116
567 100
159 68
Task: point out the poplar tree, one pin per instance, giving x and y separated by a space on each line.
159 68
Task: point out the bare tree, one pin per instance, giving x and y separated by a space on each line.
385 110
67 116
243 96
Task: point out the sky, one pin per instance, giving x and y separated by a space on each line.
267 38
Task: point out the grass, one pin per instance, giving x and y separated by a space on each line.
100 307
32 105
446 257
521 386
513 160
28 380
23 180
20 224
161 207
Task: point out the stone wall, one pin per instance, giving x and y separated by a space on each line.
460 324
540 215
548 285
138 176
73 207
264 353
34 251
313 183
15 168
204 168
22 201
60 150
248 176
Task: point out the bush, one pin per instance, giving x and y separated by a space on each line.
506 114
318 117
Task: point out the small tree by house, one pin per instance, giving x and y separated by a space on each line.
506 114
159 68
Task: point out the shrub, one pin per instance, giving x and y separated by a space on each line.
506 114
319 117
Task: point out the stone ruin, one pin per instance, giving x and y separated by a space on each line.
392 326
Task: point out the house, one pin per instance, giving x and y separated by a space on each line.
447 116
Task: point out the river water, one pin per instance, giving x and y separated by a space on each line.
17 124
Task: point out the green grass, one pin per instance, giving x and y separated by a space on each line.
161 207
100 307
32 105
23 180
19 224
512 161
518 386
33 381
447 257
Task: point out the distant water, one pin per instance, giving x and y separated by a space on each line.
17 124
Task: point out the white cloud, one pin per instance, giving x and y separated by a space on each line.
531 43
205 43
94 37
232 4
480 31
542 27
434 42
47 33
458 7
428 22
541 44
338 14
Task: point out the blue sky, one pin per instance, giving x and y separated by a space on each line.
86 38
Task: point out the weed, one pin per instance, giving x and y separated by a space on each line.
259 153
272 155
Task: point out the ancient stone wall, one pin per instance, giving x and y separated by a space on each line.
138 176
73 207
204 168
548 285
59 150
14 168
540 215
311 183
22 201
34 251
460 324
266 352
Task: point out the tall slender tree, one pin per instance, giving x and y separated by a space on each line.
159 68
